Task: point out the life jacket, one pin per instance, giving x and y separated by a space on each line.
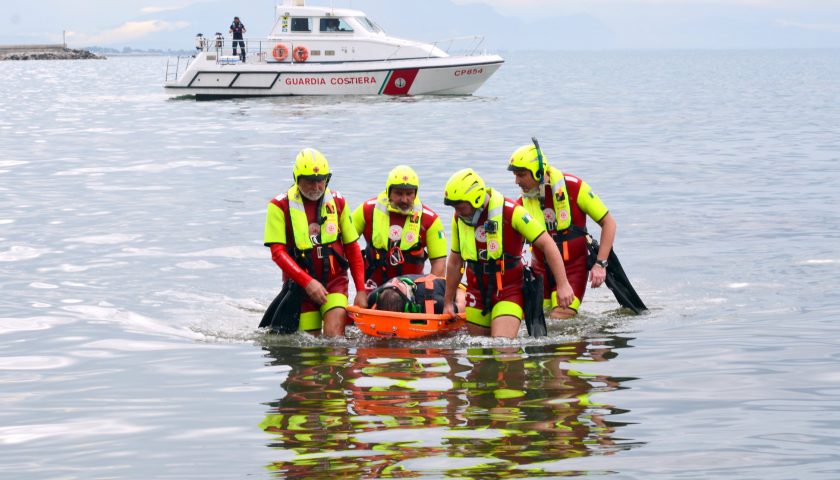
466 233
563 222
382 252
555 188
494 261
382 224
321 243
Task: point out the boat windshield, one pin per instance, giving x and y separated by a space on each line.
369 25
335 25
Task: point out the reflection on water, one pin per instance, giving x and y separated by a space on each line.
367 412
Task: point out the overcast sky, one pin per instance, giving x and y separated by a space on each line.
595 23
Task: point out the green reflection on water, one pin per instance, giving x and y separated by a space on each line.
406 412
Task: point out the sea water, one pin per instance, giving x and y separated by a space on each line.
133 277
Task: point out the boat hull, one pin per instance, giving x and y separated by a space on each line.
427 76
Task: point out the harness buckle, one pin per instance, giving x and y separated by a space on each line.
319 251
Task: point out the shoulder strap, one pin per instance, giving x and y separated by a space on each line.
428 299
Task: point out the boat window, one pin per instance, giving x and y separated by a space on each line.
301 24
369 25
335 25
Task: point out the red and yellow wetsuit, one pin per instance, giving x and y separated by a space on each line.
568 201
397 244
488 265
320 251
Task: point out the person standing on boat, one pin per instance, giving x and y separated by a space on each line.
488 234
313 241
237 28
561 202
401 232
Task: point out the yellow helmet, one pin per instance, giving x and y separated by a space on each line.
465 186
529 157
311 165
402 176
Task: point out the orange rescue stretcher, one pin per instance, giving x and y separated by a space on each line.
381 323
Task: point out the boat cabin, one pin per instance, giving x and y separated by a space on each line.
329 34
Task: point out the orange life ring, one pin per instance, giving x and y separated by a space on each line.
300 53
380 323
280 52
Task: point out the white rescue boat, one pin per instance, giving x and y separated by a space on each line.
327 51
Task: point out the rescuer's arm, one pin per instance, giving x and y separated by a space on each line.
454 264
592 206
290 268
608 227
350 236
357 271
554 259
436 246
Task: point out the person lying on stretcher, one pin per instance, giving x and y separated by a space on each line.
412 293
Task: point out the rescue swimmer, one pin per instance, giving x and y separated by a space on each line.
561 202
488 233
401 232
312 239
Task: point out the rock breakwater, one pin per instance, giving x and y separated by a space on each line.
44 52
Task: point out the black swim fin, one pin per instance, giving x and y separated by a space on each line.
283 315
617 280
533 313
621 286
272 308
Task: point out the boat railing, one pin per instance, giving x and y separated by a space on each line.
467 46
174 66
257 50
462 46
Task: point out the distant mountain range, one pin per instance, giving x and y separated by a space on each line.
413 20
706 26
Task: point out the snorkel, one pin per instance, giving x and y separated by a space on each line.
540 175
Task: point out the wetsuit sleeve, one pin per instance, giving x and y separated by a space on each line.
456 240
359 219
436 240
348 231
524 223
286 263
275 225
357 265
590 203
